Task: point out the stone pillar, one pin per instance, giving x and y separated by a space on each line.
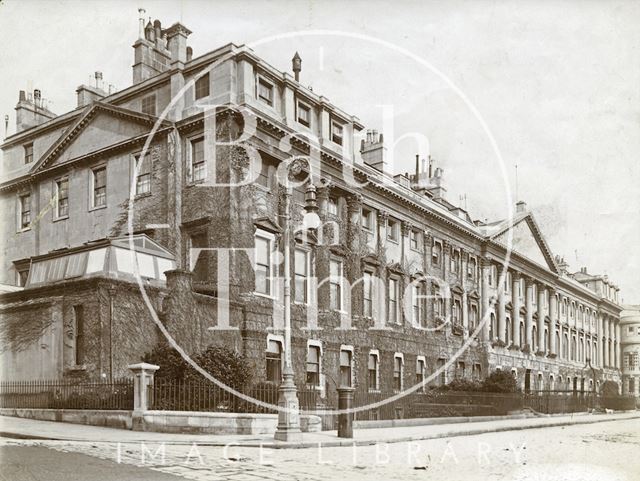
541 291
529 306
618 347
605 342
553 324
465 311
502 314
143 379
354 212
381 229
515 312
485 265
625 385
560 339
600 341
345 420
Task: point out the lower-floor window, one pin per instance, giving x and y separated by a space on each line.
274 361
345 367
397 373
313 365
373 366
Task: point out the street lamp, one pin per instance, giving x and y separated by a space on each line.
288 416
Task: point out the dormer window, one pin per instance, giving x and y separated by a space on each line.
304 114
28 153
265 91
337 132
149 104
202 87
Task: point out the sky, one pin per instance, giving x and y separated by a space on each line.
555 85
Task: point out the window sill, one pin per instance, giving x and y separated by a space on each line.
194 183
99 207
26 229
57 219
393 241
142 196
416 249
266 296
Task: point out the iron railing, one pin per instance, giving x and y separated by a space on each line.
56 394
194 395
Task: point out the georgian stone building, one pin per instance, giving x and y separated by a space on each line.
630 339
411 275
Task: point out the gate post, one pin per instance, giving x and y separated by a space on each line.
143 379
345 420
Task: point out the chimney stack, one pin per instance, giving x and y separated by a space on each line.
296 66
141 13
521 207
373 152
189 54
151 52
31 111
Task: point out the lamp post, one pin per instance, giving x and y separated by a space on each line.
288 416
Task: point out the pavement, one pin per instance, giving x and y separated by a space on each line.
592 451
19 428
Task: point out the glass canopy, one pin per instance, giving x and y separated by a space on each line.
112 258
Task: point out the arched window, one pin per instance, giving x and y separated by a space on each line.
565 347
573 348
508 339
557 335
534 335
546 339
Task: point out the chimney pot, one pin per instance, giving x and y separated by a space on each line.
23 96
189 54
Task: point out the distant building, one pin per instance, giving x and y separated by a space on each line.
630 327
80 312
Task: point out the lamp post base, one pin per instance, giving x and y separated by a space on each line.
288 418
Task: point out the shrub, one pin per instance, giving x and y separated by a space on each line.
224 364
461 385
500 381
609 389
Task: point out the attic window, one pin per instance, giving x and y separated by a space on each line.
304 114
28 153
337 132
202 87
265 91
149 104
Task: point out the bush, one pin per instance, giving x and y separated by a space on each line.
224 364
500 381
609 389
461 385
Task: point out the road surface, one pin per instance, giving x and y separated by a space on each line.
605 451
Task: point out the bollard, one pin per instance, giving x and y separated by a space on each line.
345 420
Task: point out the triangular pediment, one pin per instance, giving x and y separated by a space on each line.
527 241
266 224
100 126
